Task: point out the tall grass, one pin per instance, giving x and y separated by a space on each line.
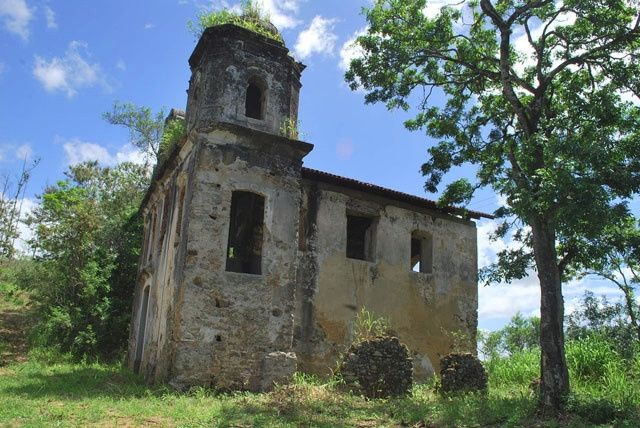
605 387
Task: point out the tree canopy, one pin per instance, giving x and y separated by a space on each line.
87 240
541 96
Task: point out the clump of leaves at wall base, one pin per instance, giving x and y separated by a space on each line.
368 326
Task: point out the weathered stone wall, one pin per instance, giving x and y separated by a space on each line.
223 63
423 308
160 268
230 322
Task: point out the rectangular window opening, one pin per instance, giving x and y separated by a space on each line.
244 249
421 252
360 234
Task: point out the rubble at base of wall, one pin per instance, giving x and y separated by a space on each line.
462 372
278 368
378 368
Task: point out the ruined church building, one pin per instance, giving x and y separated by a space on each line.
254 266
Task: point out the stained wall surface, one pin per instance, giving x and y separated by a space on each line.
206 325
229 321
426 310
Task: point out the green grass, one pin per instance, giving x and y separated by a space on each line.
65 394
45 388
47 393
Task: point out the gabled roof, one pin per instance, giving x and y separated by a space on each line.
350 183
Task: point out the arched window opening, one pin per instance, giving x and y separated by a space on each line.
254 104
244 248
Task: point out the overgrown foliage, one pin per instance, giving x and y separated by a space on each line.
145 128
598 317
519 334
174 132
617 259
87 241
290 128
534 99
368 325
250 17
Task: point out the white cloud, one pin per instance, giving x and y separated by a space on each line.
10 152
15 15
318 38
149 26
282 13
70 72
504 301
433 7
78 151
488 249
50 16
345 149
24 151
350 50
120 65
523 46
25 233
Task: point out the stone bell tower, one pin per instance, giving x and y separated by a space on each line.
240 77
235 311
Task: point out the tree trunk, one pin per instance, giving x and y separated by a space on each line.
554 375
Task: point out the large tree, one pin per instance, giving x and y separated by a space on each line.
537 98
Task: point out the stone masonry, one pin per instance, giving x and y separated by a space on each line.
254 266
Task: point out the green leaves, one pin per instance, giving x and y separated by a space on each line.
145 128
88 237
252 18
532 98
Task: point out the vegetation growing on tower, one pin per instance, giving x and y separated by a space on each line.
251 17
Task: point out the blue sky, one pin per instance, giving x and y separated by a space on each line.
63 63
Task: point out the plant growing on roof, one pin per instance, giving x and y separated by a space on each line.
251 17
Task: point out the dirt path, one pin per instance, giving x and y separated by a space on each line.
14 325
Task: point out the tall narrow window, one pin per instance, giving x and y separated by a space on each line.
180 210
244 249
142 326
421 252
254 102
360 234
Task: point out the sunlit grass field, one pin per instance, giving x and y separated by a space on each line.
44 388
